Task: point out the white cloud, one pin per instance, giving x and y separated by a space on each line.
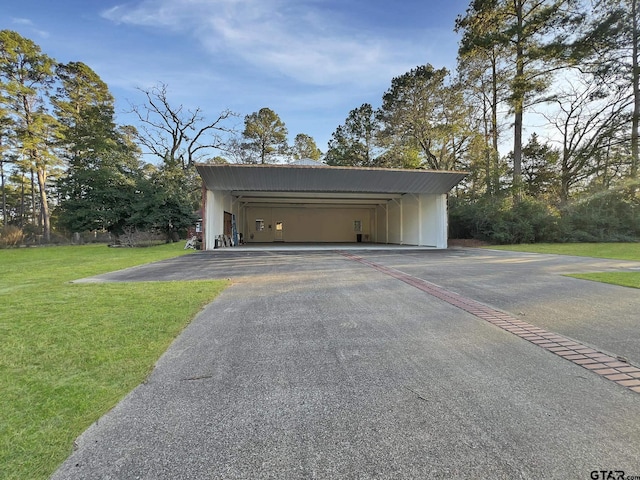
21 21
26 22
300 40
304 59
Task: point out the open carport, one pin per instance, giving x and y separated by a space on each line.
322 204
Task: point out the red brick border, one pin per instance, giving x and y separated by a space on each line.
616 369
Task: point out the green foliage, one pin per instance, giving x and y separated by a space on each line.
26 75
85 109
421 112
166 201
305 146
399 156
121 201
531 37
354 143
70 353
97 195
501 220
539 169
265 134
612 215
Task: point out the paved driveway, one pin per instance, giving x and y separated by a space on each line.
332 365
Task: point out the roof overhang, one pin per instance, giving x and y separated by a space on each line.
310 185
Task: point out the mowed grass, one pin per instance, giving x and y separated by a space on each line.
618 251
70 352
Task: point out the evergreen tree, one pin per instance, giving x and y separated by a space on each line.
265 135
305 146
534 37
26 75
421 112
354 143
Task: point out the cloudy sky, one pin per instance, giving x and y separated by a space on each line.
311 61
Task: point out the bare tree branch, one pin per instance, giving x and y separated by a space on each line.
175 134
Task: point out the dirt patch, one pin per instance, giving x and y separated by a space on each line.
467 242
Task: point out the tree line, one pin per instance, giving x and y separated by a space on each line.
66 166
572 65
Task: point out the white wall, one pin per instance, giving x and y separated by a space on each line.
217 203
410 220
434 220
415 220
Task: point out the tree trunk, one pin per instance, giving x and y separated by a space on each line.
565 178
22 198
488 154
518 106
4 195
636 89
33 199
44 204
494 126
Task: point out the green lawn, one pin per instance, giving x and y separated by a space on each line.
70 352
619 251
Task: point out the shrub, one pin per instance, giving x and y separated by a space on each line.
132 237
608 216
611 215
501 220
11 236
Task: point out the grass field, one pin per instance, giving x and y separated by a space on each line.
618 251
70 352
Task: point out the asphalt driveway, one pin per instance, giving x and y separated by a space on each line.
313 365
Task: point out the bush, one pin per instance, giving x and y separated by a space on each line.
132 237
503 221
11 236
609 216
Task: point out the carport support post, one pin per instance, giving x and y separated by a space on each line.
203 216
214 217
443 229
419 200
237 210
401 236
401 221
386 208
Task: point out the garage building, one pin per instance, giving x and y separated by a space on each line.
309 202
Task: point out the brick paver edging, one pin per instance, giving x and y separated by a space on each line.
616 369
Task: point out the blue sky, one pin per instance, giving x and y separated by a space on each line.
311 61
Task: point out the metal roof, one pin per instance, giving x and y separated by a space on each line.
324 179
308 161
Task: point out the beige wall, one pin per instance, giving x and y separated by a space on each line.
308 224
